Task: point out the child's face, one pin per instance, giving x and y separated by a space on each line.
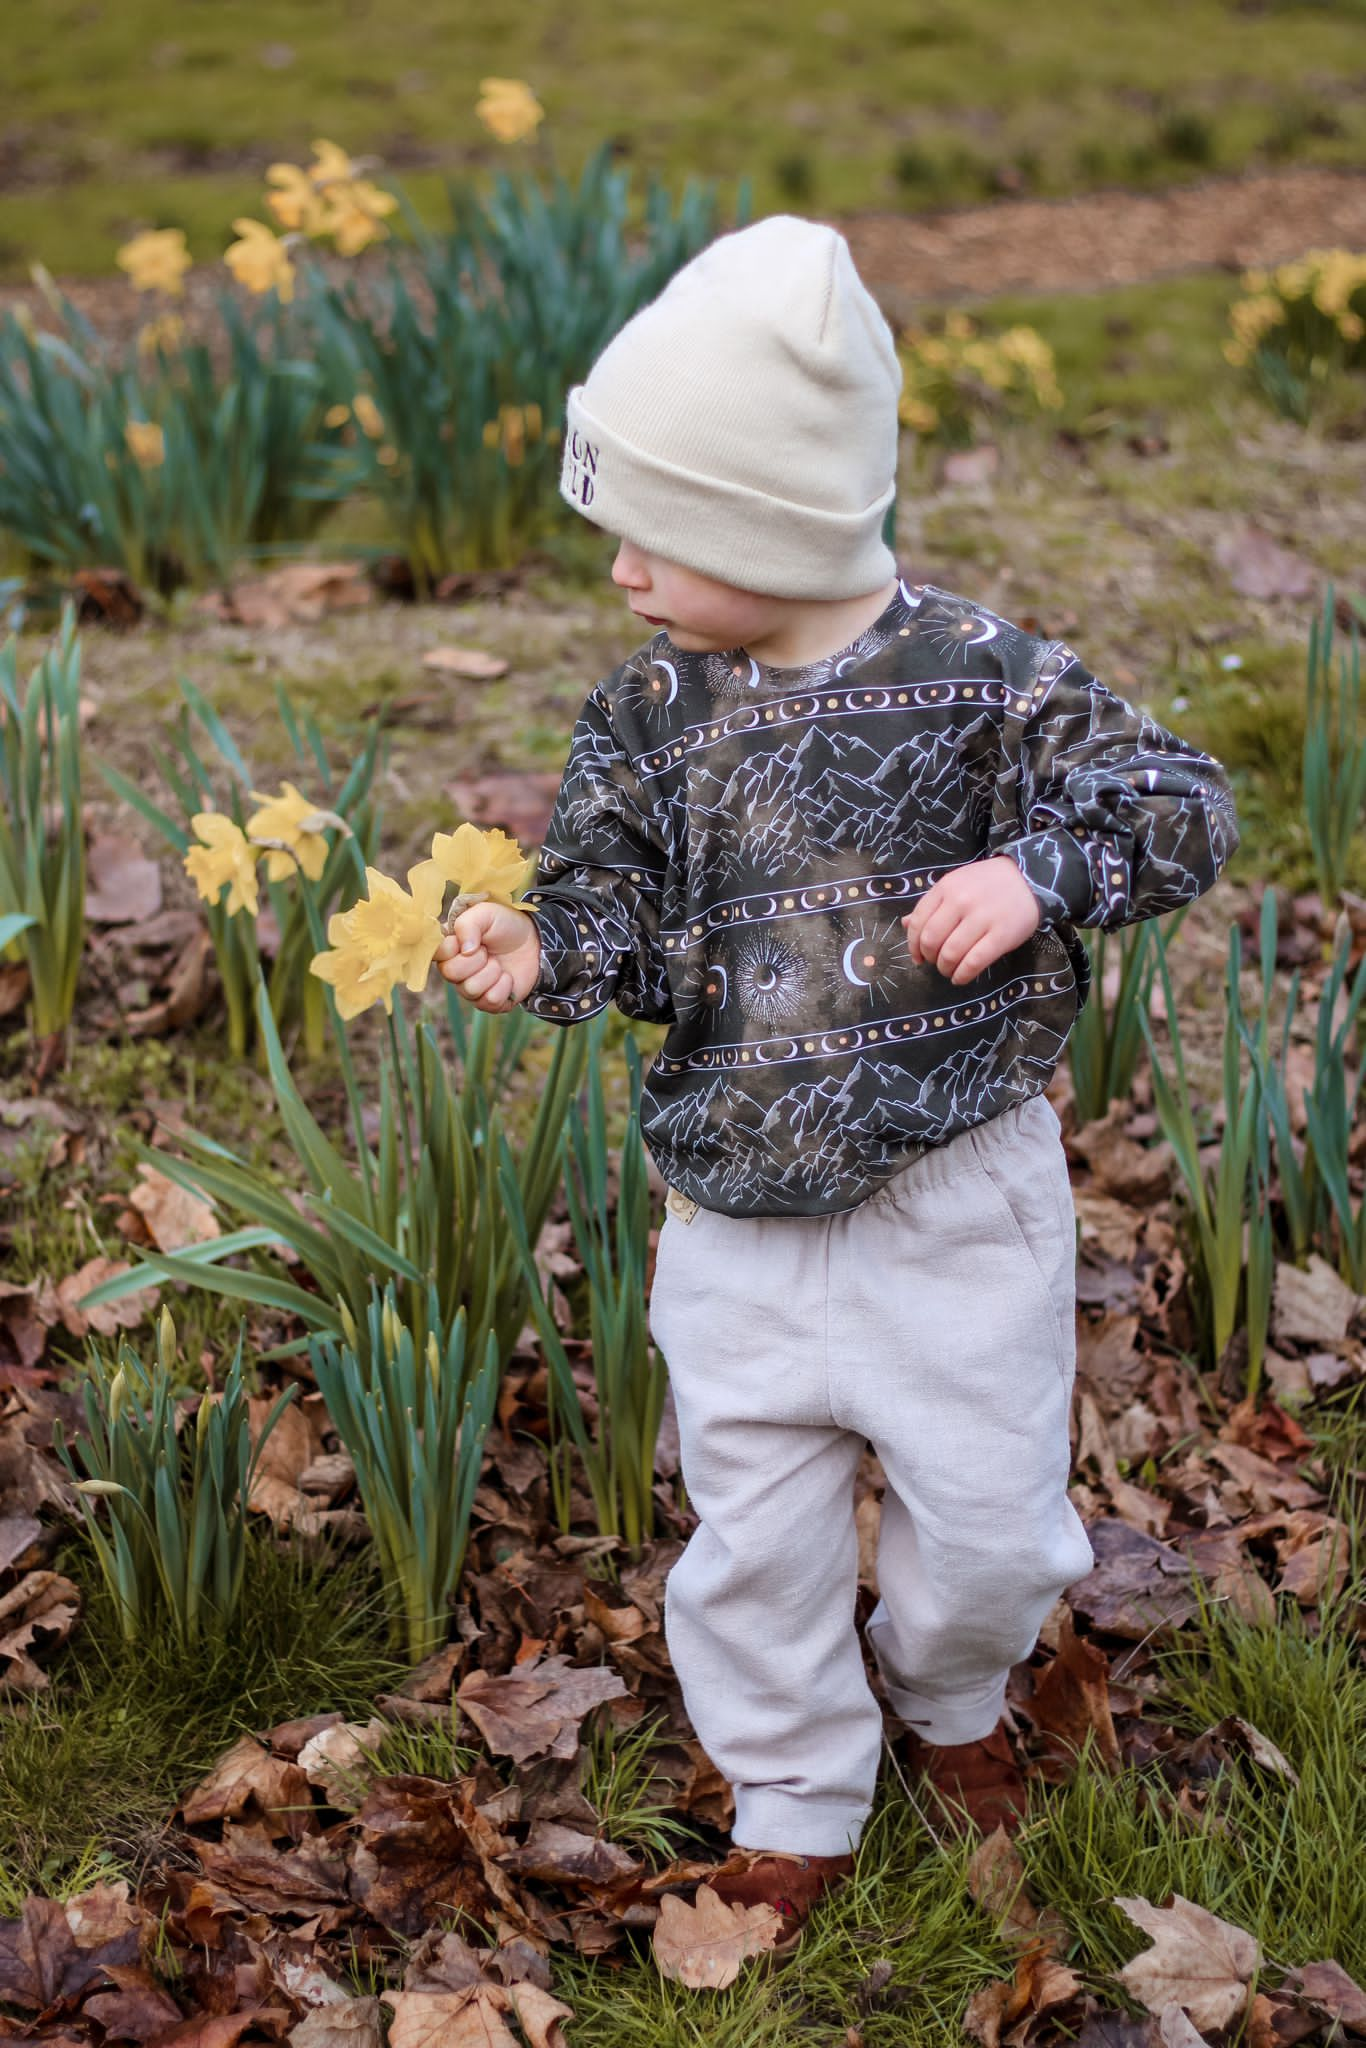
701 615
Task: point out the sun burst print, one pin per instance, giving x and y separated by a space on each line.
649 686
953 628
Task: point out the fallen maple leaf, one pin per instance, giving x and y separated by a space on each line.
475 2017
1196 1961
537 1708
703 1945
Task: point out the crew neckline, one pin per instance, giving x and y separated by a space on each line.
863 642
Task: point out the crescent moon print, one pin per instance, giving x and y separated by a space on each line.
732 847
649 687
871 962
953 629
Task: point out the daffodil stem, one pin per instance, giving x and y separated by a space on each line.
315 926
400 1089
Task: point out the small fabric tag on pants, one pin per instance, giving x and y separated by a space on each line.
680 1205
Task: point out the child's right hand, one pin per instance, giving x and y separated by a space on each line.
492 954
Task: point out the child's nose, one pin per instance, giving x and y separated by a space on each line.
629 569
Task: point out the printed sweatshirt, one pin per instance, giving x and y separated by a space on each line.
733 846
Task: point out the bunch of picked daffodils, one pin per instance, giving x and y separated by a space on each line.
392 934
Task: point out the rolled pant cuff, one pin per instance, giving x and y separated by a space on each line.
947 1721
765 1819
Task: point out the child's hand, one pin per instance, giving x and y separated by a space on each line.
971 917
493 955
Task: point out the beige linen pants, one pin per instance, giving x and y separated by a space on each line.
935 1320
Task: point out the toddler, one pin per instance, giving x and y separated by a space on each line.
837 829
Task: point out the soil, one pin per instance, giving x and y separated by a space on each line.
1010 245
1105 238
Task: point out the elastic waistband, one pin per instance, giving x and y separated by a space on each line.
943 1163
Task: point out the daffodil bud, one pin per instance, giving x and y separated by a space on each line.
166 1337
102 1488
348 1322
389 1324
433 1359
118 1395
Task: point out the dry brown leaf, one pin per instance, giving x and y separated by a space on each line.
1175 2030
560 1855
330 1758
539 2015
703 1945
300 592
996 1880
1072 1696
123 886
1196 1961
1312 1307
107 1316
536 1709
248 1775
472 663
1328 1986
174 1217
352 2023
41 1602
1258 566
287 1453
188 987
472 2018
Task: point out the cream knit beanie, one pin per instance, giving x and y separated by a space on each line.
744 423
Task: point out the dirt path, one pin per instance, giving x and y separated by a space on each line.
1017 245
1105 238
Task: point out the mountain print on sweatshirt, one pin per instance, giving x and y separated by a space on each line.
733 846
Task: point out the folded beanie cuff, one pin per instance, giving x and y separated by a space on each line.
730 531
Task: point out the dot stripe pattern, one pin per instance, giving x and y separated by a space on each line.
733 847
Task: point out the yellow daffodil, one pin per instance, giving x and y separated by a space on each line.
508 108
146 443
369 418
290 817
260 260
336 415
514 427
294 202
223 855
390 936
167 333
156 260
331 166
483 864
354 215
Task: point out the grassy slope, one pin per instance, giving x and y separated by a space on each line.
155 111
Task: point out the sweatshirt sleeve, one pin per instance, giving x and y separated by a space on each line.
1118 819
599 879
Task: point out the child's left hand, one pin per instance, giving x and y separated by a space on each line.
971 917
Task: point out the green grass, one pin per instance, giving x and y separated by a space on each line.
152 112
898 1954
90 1771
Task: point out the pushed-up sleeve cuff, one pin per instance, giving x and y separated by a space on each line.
1054 864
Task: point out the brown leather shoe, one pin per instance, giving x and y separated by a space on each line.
791 1884
979 1783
